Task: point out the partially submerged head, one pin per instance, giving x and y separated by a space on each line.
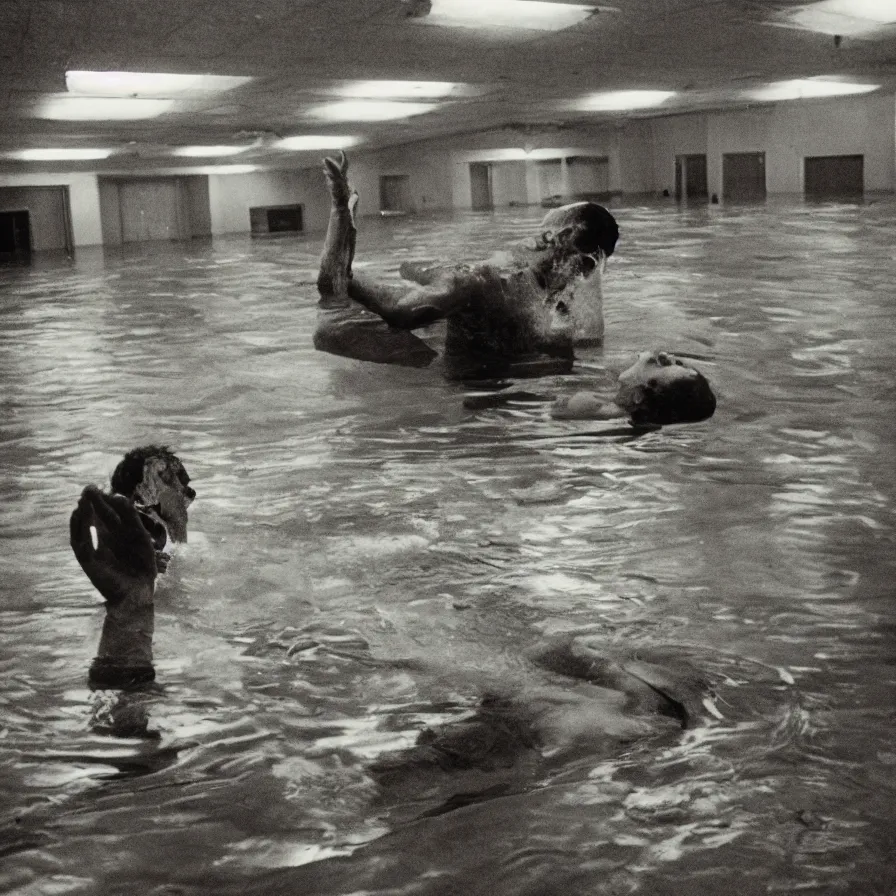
586 226
660 389
155 477
575 242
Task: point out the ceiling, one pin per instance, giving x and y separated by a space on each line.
297 52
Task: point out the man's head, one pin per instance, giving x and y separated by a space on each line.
659 389
587 226
154 476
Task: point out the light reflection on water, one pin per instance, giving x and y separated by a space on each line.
367 558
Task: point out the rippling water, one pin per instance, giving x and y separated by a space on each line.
367 559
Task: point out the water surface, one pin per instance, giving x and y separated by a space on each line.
367 558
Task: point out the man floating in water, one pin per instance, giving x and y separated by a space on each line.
521 313
657 390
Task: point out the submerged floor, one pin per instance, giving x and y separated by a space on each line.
368 558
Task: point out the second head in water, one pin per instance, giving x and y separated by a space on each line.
658 389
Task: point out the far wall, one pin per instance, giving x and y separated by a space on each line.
230 197
640 158
786 133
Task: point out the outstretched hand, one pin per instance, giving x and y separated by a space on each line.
337 181
113 548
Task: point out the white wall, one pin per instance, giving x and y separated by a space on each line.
627 148
632 162
427 167
678 136
84 201
509 183
786 133
232 195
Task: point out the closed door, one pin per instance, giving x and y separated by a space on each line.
481 186
395 193
150 210
743 175
834 176
690 177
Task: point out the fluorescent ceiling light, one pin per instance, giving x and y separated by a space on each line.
228 169
88 108
311 141
621 100
844 17
806 88
146 84
532 14
48 155
397 89
369 110
208 151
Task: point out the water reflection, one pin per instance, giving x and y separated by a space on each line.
368 557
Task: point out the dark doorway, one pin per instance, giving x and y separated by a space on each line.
690 177
395 193
265 219
481 186
49 217
15 238
827 176
743 175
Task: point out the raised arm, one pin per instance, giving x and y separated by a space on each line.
447 290
339 244
349 323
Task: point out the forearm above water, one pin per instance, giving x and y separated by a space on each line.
124 656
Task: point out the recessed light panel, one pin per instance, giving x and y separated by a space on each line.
807 88
311 141
397 89
146 84
50 155
844 17
525 14
227 169
207 151
89 108
369 110
623 100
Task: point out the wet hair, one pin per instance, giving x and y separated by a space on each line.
596 230
681 401
129 472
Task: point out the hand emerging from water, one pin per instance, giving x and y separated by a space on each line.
113 548
341 193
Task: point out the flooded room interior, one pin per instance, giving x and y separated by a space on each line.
437 628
